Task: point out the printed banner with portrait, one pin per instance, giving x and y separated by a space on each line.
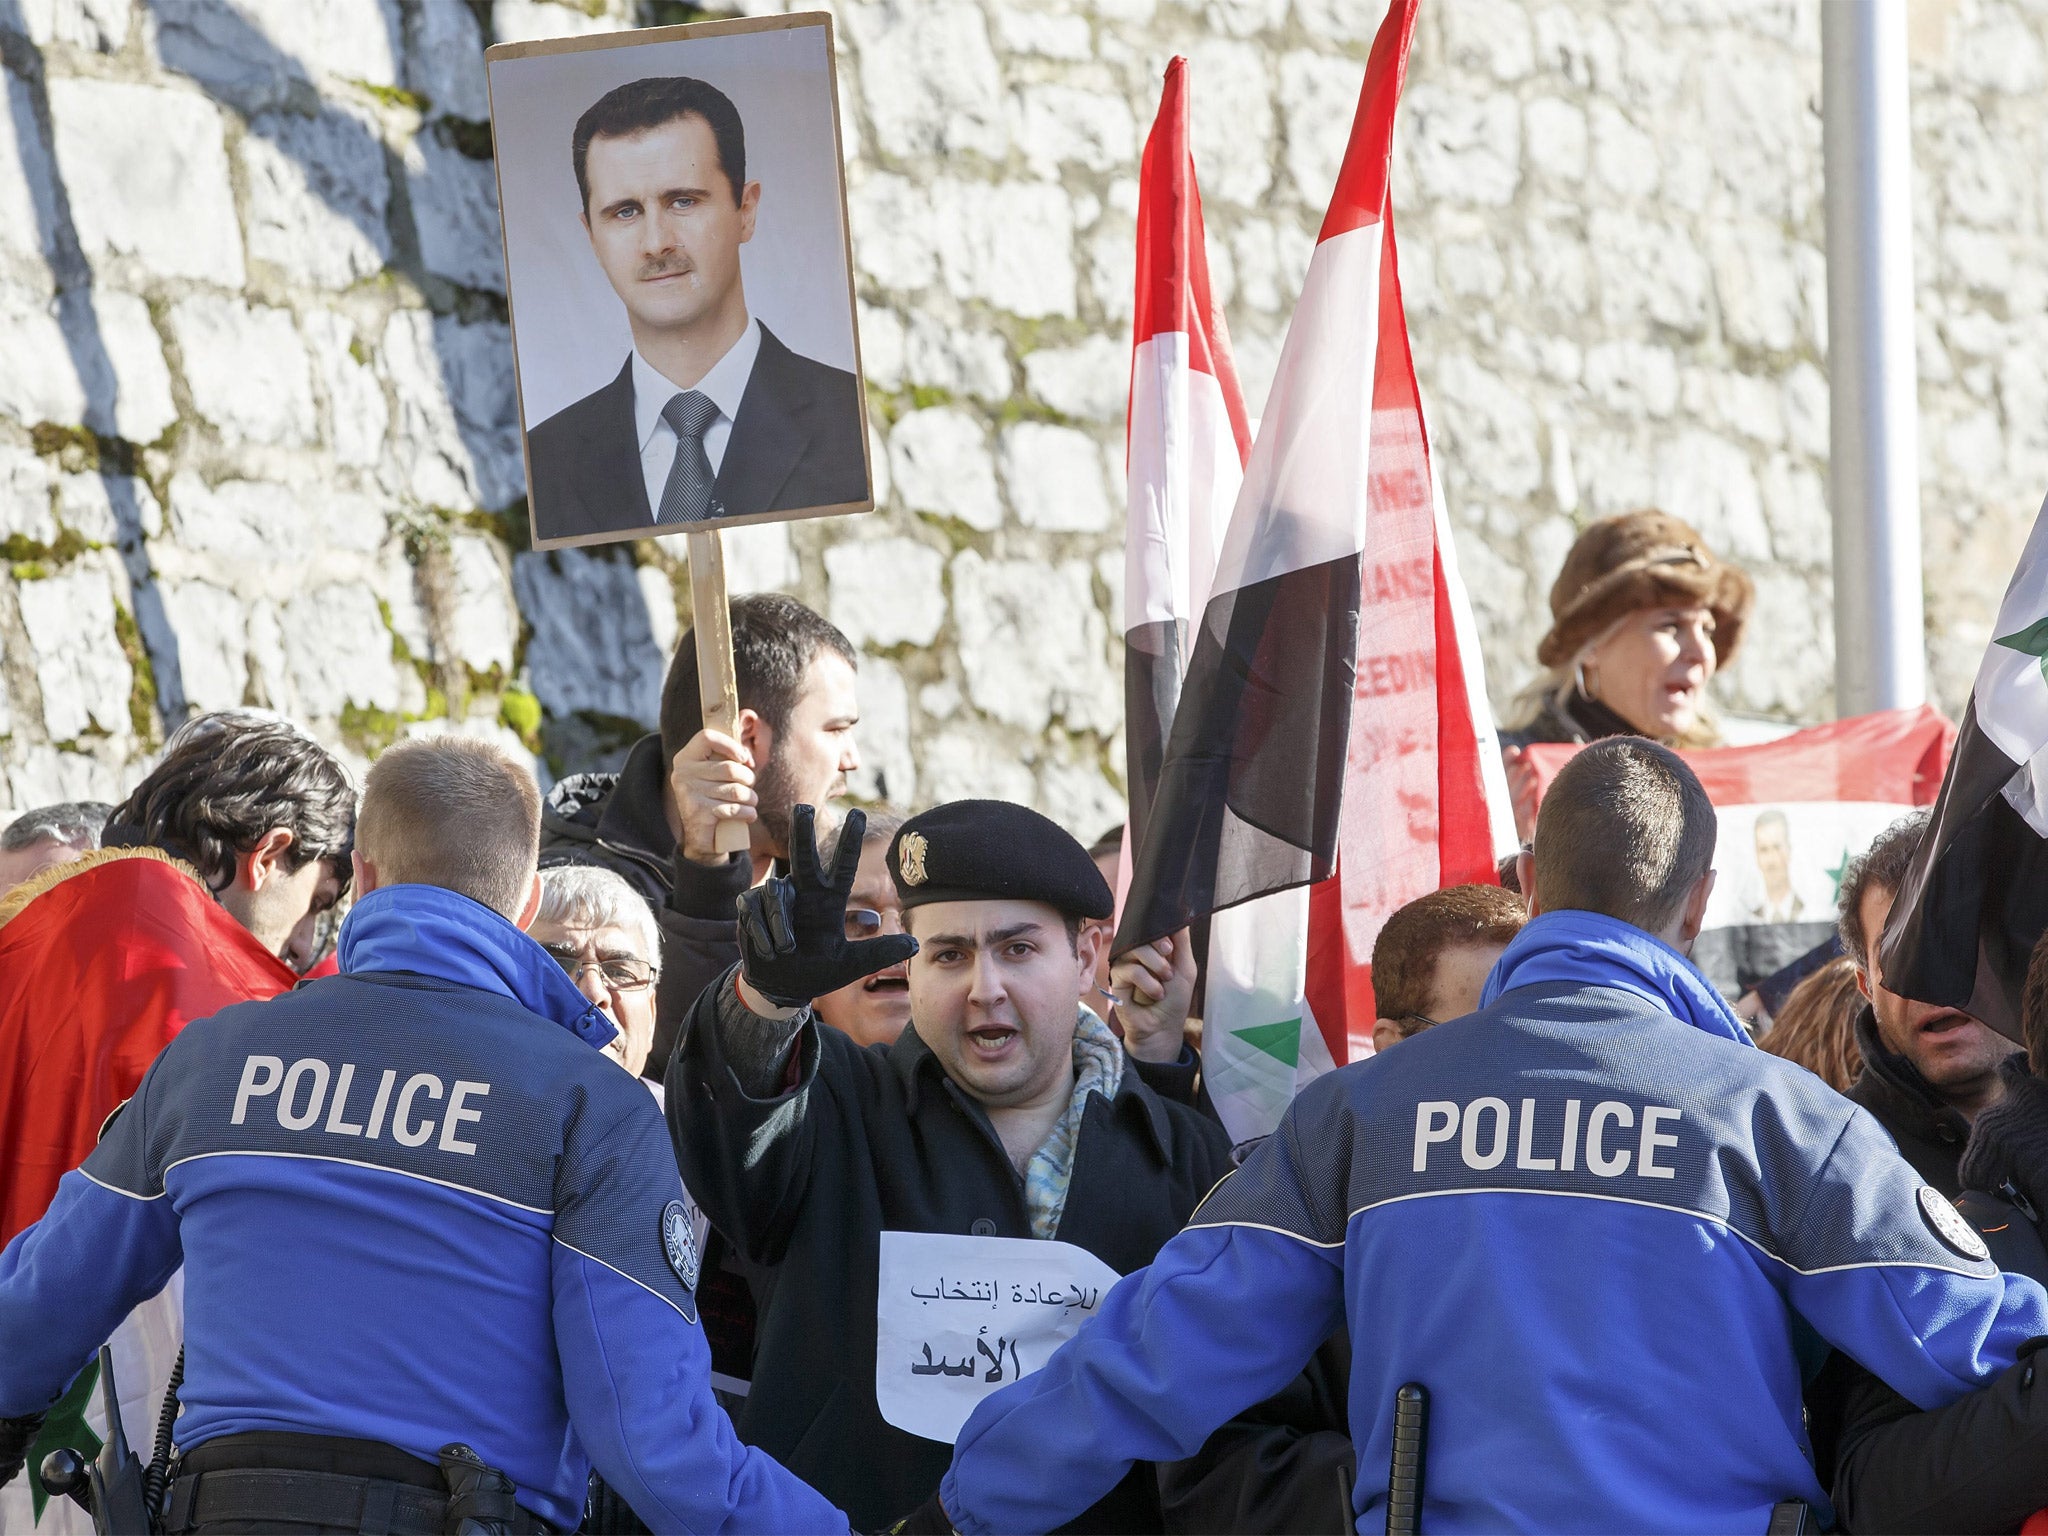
680 278
1793 813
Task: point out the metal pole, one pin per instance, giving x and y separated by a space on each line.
1866 142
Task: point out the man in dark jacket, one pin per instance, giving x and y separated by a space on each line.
1927 1070
1005 1110
653 821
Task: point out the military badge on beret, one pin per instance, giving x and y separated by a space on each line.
910 854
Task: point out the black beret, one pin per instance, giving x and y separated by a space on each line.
991 850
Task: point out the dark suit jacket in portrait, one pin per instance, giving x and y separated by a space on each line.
795 443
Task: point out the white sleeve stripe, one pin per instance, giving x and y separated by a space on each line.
115 1189
650 1290
1573 1194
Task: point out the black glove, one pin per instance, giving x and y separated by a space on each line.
16 1436
793 944
928 1519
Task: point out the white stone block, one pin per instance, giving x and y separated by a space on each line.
27 209
1711 483
1465 149
1033 644
1113 270
663 623
881 346
1061 124
1090 381
956 358
68 361
338 652
1341 20
1232 107
480 621
759 558
456 431
455 210
101 25
1077 796
25 497
592 647
929 77
1633 378
476 365
531 21
1624 156
357 414
1554 133
77 656
940 463
318 195
963 762
1488 428
1490 36
46 775
1757 284
241 523
893 241
1742 403
888 764
1049 36
213 646
1245 18
1998 49
1648 269
1055 478
1796 508
1011 244
248 369
157 169
446 60
1582 47
886 592
109 509
1320 94
251 52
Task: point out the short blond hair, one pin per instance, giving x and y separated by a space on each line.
455 812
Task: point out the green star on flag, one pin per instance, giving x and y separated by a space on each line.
2031 641
1281 1041
1840 873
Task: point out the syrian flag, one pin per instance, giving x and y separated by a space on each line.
1976 899
1188 439
1262 781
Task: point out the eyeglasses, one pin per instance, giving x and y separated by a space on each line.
1417 1023
620 974
862 923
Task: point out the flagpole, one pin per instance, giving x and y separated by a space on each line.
1880 641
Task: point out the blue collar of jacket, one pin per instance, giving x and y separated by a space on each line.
1593 950
434 932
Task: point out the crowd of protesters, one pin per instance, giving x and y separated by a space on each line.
876 1021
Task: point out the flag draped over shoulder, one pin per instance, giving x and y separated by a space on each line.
1975 901
1792 814
1333 582
102 961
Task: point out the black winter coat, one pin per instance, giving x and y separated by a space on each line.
1981 1463
880 1138
616 821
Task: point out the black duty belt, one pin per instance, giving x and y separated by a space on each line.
374 1506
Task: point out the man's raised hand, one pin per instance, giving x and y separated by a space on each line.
1154 985
711 780
793 944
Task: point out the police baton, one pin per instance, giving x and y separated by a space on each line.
1404 1468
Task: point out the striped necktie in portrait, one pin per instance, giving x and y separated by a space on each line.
686 498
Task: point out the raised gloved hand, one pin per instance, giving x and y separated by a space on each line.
793 944
16 1436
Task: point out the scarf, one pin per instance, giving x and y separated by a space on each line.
1098 1068
1589 949
434 932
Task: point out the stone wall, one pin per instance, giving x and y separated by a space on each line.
257 436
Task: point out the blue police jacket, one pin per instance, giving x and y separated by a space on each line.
1591 1229
414 1204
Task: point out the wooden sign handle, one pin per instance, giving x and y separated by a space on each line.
717 683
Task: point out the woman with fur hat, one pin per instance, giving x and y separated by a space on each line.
1642 616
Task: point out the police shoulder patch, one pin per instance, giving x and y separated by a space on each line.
1948 1224
679 1243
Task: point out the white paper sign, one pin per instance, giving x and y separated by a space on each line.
959 1317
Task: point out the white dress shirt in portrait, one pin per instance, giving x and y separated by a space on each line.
725 385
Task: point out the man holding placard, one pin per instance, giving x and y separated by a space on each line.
943 1211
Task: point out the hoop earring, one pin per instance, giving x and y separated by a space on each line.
1579 680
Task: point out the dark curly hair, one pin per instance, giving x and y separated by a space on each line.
228 778
1883 866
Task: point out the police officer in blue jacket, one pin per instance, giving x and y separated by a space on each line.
1590 1220
416 1206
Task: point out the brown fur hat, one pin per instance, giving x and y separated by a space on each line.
1642 560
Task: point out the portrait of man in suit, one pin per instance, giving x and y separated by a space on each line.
710 416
